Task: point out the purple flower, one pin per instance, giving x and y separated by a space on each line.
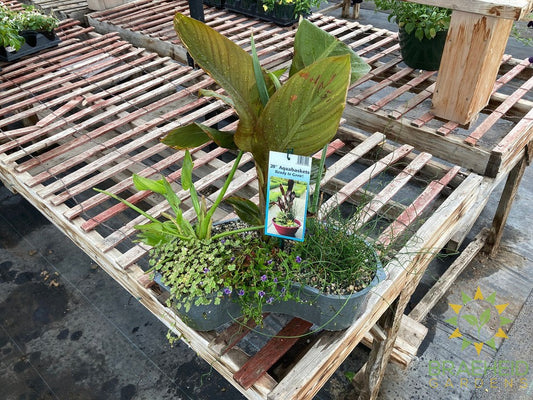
270 300
222 241
269 262
264 278
261 293
298 259
530 59
206 270
240 292
232 259
275 280
227 290
283 290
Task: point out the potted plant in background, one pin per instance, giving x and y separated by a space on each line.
25 32
281 12
301 114
422 31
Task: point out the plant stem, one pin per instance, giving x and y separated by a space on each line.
316 194
224 189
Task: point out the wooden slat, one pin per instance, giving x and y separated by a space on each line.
231 336
447 279
412 103
499 112
416 208
356 183
398 92
271 352
387 193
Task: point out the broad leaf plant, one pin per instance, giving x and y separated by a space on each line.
301 115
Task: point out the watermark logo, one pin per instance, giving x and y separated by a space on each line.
480 318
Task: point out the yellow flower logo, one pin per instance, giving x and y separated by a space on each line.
478 320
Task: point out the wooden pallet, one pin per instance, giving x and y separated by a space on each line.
90 112
393 98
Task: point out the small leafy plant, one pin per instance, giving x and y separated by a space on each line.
12 23
424 21
242 268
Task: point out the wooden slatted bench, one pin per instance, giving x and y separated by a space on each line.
60 137
74 142
393 98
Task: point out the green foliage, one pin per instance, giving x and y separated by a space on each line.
285 203
334 257
156 233
13 22
302 114
243 267
423 20
301 7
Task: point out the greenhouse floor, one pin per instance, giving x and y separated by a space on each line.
69 331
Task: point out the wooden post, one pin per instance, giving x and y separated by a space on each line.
504 207
469 67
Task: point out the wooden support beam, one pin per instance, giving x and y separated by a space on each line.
469 67
504 207
448 278
516 9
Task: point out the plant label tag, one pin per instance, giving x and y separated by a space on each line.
287 195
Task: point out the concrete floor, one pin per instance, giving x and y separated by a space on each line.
68 331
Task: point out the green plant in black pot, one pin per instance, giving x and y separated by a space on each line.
422 31
25 32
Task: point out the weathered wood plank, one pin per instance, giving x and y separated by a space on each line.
448 278
496 8
416 208
271 352
476 43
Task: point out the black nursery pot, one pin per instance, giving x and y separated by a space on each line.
34 41
422 54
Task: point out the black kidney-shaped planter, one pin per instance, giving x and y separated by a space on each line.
34 41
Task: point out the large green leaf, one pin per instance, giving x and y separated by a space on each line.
304 114
312 44
142 183
196 134
186 137
229 65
